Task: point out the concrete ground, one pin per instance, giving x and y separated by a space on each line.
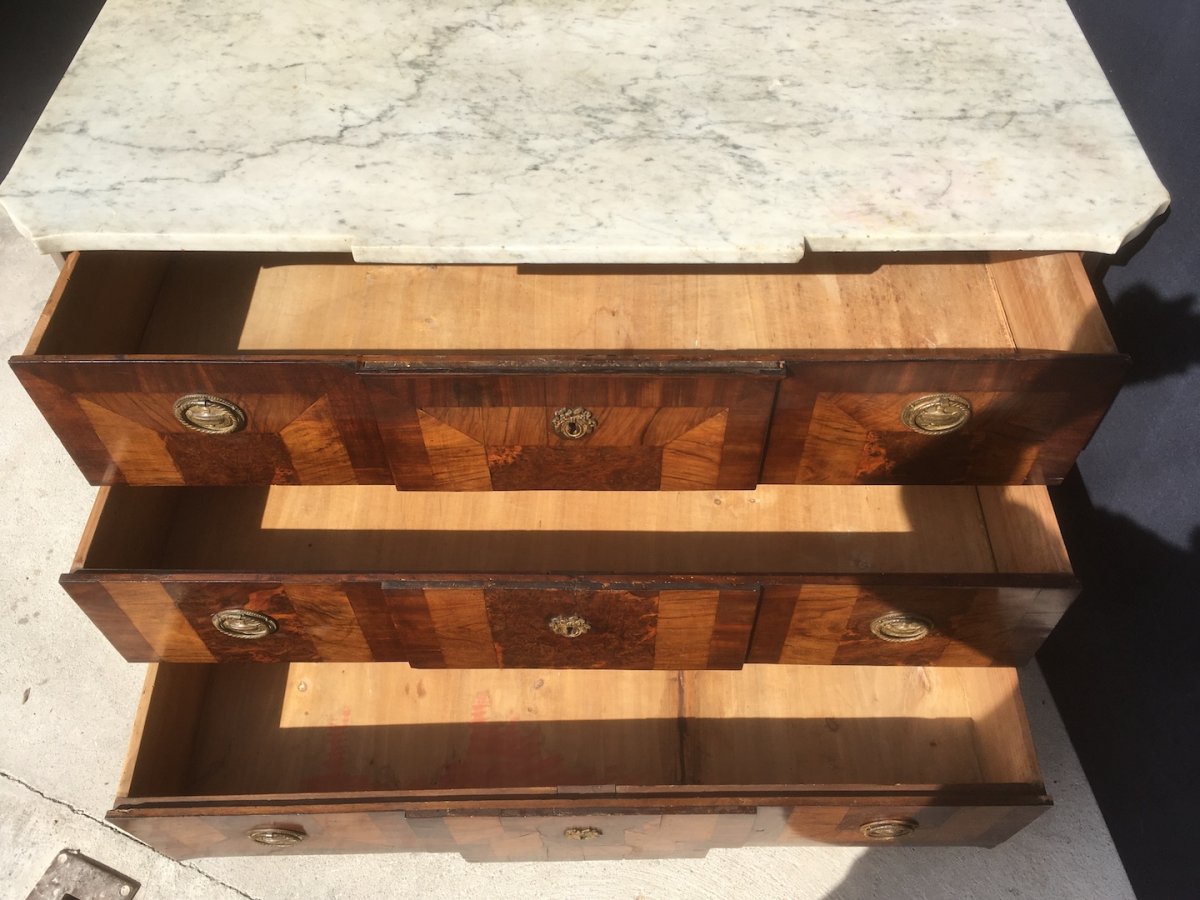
67 703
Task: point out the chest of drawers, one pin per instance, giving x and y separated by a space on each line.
850 609
586 477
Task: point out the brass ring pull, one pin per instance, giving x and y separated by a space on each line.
573 423
888 829
569 626
270 836
582 833
244 623
209 415
901 628
937 414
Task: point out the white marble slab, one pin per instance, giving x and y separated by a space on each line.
577 131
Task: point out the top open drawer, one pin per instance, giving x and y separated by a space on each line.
210 368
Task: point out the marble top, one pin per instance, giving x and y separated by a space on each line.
583 131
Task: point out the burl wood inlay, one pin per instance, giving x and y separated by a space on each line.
627 629
496 432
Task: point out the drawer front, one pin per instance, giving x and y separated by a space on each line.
564 627
874 822
586 834
173 621
822 624
693 628
261 621
478 838
293 423
1008 421
567 432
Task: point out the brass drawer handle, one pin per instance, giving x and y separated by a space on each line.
243 623
209 415
901 628
569 626
937 414
270 836
573 423
888 829
582 832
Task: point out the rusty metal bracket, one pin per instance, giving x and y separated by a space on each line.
73 876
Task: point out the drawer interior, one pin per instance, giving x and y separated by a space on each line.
801 529
324 728
231 303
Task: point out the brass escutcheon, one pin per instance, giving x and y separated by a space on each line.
569 626
900 628
937 414
582 832
888 829
244 623
271 836
209 415
573 423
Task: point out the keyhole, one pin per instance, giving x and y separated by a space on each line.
573 429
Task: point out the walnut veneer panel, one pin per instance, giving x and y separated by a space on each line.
823 624
305 422
630 629
841 422
495 432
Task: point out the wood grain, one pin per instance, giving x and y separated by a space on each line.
839 422
298 340
496 432
497 765
774 529
666 579
881 302
305 422
825 624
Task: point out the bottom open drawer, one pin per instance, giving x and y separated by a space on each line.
518 765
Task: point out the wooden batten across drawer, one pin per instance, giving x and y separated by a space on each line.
318 758
883 575
221 368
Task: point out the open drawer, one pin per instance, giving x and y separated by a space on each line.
225 368
319 758
883 575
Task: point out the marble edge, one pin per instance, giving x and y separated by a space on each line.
568 254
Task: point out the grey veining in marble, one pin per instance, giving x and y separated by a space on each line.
583 131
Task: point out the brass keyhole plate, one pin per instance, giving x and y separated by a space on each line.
573 423
570 626
582 833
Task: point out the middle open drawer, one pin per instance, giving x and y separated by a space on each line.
670 580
